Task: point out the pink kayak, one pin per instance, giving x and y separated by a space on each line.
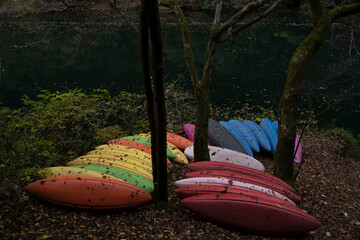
298 155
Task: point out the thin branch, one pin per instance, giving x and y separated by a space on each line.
122 15
240 15
219 4
189 57
237 30
344 11
83 7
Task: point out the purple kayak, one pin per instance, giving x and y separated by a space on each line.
298 155
190 131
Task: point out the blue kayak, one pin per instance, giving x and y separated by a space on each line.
246 133
260 135
219 136
239 138
270 131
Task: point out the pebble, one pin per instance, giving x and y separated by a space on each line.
328 234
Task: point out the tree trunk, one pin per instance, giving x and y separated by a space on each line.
159 98
155 94
287 109
219 34
145 70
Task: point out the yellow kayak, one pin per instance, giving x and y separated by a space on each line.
180 156
71 171
146 173
123 150
119 157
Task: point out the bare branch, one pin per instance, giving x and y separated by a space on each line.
219 4
122 15
237 30
82 7
240 15
189 57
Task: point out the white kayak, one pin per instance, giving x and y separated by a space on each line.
224 181
219 154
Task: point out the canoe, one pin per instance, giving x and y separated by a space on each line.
131 152
221 166
146 173
246 133
89 193
177 140
179 155
190 132
267 126
136 145
219 154
239 138
261 137
147 142
219 136
126 176
118 159
298 153
194 190
228 182
71 171
252 213
246 179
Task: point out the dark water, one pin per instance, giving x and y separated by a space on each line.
58 54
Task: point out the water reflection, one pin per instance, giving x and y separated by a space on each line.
251 68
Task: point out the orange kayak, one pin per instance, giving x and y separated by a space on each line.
136 145
179 141
89 193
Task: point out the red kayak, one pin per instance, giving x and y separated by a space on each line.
193 190
222 166
247 179
252 213
178 141
89 193
136 145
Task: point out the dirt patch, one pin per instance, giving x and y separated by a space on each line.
328 186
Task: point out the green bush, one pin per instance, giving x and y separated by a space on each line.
57 127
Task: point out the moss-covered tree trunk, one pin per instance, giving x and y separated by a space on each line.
287 109
220 33
155 94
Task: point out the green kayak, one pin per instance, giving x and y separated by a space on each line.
129 177
147 142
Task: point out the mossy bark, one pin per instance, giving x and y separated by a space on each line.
287 109
201 87
219 34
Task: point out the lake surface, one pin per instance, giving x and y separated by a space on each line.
59 53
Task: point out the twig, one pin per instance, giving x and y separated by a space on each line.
83 7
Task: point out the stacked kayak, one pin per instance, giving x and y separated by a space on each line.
246 137
243 198
114 176
233 189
